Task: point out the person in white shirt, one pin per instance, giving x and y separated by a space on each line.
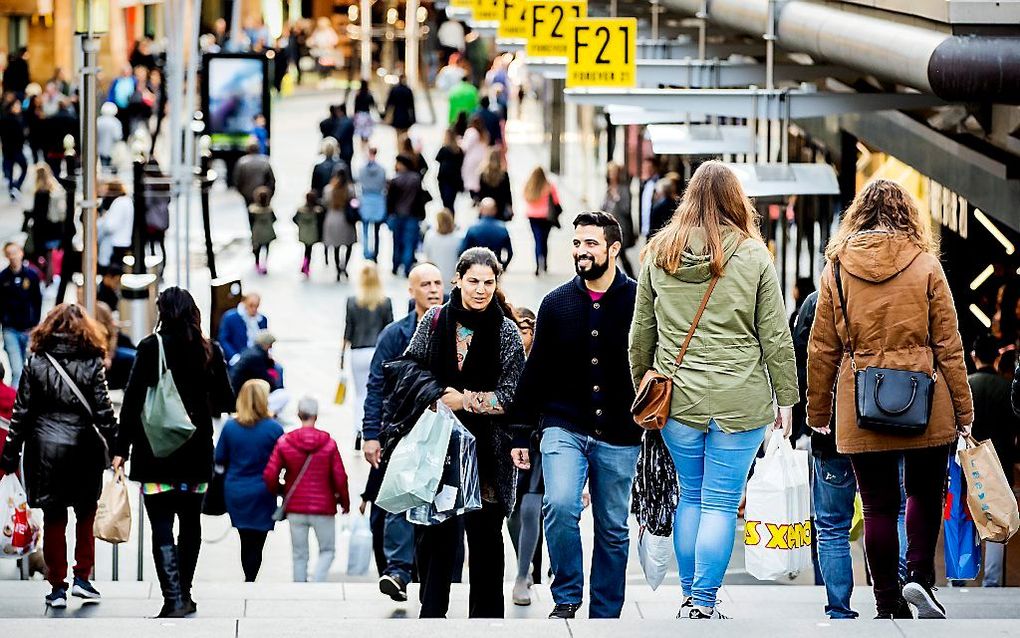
114 228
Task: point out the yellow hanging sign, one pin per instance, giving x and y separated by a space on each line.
603 52
514 21
462 4
548 31
487 10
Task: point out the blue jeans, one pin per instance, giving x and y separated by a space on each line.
405 238
370 239
712 467
568 459
834 488
15 344
398 545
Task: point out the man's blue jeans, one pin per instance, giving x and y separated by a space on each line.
15 344
405 239
712 467
568 459
834 489
398 545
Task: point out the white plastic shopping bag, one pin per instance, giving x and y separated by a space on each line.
416 466
19 530
656 555
359 551
777 528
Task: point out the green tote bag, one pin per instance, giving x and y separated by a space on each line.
164 417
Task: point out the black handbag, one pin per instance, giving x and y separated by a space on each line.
554 212
888 400
215 502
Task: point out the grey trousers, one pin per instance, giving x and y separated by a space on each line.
325 536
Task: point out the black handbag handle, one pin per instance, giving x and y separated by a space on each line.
903 410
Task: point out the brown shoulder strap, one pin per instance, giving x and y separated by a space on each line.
697 319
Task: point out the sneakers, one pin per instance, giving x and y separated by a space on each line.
84 589
522 592
394 587
685 607
57 599
704 613
565 610
919 592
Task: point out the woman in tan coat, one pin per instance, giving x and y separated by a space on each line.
901 316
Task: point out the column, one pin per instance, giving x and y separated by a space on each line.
411 32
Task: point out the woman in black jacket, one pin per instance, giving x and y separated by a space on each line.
66 430
174 485
494 182
472 346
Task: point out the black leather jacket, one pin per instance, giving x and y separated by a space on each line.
65 448
409 390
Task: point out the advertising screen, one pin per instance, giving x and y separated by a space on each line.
235 94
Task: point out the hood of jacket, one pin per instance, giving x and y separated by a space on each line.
695 266
308 440
877 255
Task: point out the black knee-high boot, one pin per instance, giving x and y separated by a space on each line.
169 581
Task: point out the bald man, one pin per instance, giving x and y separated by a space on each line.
393 535
239 326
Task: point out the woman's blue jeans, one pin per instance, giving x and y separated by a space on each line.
712 467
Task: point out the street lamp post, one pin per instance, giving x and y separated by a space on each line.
92 19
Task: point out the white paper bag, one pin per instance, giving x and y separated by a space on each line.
777 528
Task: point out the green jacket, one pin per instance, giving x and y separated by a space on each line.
463 99
742 341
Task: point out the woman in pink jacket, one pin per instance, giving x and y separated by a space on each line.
314 483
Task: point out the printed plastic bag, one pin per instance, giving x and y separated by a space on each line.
656 555
655 492
359 551
19 530
961 545
416 466
777 528
989 493
113 515
459 490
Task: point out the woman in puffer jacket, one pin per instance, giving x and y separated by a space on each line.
65 440
311 494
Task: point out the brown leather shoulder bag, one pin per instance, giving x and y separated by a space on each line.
651 405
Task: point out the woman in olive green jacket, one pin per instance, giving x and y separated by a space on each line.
739 366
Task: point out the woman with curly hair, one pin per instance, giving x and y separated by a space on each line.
884 302
65 422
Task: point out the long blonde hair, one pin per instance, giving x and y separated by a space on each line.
713 200
883 205
492 172
253 402
370 292
536 185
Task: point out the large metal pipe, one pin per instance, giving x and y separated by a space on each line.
975 68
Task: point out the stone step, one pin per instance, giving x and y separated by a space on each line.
362 601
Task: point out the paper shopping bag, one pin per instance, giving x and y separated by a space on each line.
113 514
989 493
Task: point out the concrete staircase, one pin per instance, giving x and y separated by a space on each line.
235 610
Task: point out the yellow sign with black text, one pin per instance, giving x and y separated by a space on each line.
603 53
462 4
514 21
548 31
487 10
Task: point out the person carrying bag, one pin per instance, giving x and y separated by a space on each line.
885 349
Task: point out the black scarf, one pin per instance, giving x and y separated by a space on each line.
482 365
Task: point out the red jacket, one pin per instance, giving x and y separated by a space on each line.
324 484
